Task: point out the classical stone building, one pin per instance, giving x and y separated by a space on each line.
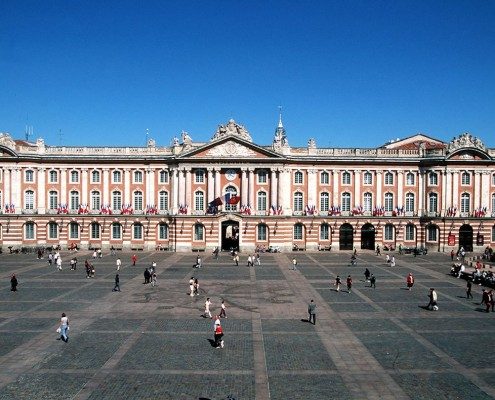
231 192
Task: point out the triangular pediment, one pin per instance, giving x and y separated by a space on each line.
415 142
230 148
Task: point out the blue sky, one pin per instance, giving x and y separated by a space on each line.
349 74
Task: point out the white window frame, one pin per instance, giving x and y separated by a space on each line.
298 178
367 178
388 178
262 176
138 177
74 176
95 176
324 178
262 233
29 176
346 178
410 179
199 176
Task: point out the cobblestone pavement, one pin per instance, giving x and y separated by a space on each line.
153 342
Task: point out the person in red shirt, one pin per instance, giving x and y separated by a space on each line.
410 281
134 259
349 284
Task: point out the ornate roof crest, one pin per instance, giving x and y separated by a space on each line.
230 149
6 140
465 140
232 129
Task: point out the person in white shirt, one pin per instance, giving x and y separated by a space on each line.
118 263
64 328
207 308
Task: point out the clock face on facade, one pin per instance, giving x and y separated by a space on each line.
230 174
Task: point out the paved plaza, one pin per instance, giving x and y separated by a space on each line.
153 343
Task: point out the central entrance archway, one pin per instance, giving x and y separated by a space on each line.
230 235
466 237
368 237
346 237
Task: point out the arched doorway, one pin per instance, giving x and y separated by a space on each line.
230 235
466 237
368 237
346 237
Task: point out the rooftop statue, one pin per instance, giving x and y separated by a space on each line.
232 129
465 140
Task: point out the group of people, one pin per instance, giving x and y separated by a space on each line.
193 286
150 274
338 282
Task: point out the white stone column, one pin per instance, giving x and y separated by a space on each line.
150 188
421 193
6 187
84 186
273 189
477 190
41 195
218 183
448 190
188 198
401 201
106 187
251 187
63 187
285 191
127 186
443 201
455 190
379 199
182 187
211 185
336 188
16 189
244 187
175 190
311 187
357 189
485 191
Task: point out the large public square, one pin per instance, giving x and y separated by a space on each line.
153 343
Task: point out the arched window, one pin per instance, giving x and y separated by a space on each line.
262 233
138 201
29 231
324 232
95 230
199 200
52 230
95 176
465 202
346 202
298 202
367 178
163 201
324 201
95 200
409 202
465 178
368 202
233 192
410 179
52 200
346 178
410 232
29 200
137 231
433 179
117 176
116 200
298 231
74 200
163 231
116 231
324 178
261 200
389 202
432 202
389 178
74 230
298 177
199 232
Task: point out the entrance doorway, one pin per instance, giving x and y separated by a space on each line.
368 237
230 235
466 237
346 237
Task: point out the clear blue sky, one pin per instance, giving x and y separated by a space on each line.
348 73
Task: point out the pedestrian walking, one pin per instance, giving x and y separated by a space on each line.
223 313
486 300
392 261
215 253
387 259
218 334
50 258
87 265
112 250
338 282
349 284
198 262
207 308
294 264
59 263
492 300
258 259
196 287
93 271
373 281
312 312
378 253
154 281
410 281
468 289
400 249
367 274
191 286
73 263
13 283
452 254
100 254
95 254
118 264
432 295
134 259
147 276
116 288
64 328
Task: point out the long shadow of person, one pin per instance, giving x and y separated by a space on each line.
212 342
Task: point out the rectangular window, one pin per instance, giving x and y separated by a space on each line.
138 232
324 232
325 178
116 231
200 176
367 178
261 233
74 231
53 177
95 177
163 177
74 176
346 178
433 179
298 202
410 179
52 231
298 232
95 231
29 176
117 177
389 232
163 232
432 234
29 230
409 232
163 201
298 177
389 178
29 200
262 176
198 232
138 177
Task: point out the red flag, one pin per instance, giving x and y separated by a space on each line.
234 200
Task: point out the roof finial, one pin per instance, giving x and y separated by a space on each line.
280 125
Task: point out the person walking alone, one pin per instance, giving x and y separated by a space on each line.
223 313
294 264
64 328
373 281
433 300
13 283
338 282
410 281
118 263
312 312
367 275
134 259
349 284
116 288
468 290
207 313
218 334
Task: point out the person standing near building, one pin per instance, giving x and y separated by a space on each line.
338 282
378 253
207 313
258 259
294 264
116 288
223 313
373 281
410 281
468 289
349 284
134 259
312 312
13 283
249 261
236 259
486 300
367 275
59 263
118 263
64 328
452 254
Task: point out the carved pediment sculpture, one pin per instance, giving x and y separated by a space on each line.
6 140
230 149
465 141
232 129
